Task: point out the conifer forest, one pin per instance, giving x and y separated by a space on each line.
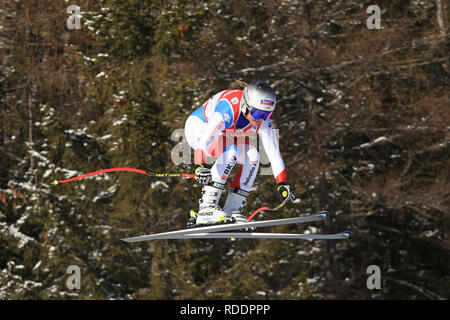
363 115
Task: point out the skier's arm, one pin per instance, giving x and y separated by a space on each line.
221 119
269 139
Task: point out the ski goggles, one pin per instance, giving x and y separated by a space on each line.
260 114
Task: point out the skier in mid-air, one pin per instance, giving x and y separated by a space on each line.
218 129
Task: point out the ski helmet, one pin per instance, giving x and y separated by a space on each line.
259 99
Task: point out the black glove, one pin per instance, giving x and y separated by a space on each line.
286 192
202 174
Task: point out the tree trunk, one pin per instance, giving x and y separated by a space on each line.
440 16
30 124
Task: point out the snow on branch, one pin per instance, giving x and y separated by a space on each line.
377 141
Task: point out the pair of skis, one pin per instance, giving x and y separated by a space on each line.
215 231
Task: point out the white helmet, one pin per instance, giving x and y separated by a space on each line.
258 95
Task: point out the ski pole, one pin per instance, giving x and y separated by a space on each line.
266 209
186 175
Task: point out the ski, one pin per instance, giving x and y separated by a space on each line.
226 227
256 235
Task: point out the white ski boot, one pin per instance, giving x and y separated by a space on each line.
210 213
234 205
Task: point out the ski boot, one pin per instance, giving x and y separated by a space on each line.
211 215
234 206
209 211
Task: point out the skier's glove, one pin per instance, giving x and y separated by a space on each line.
202 174
286 192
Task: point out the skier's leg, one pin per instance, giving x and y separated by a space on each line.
209 210
242 182
224 164
249 160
